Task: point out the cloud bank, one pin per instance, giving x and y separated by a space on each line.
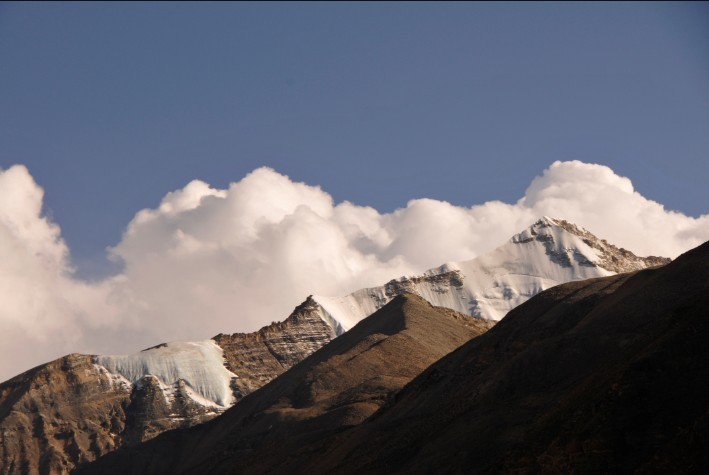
208 260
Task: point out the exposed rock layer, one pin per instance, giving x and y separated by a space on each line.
257 358
59 414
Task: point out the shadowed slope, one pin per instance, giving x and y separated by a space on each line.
339 386
608 375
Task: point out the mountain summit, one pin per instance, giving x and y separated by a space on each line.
548 253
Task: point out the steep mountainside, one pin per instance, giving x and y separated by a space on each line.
607 375
79 407
259 357
340 385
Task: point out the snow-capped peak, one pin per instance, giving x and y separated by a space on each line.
550 252
598 252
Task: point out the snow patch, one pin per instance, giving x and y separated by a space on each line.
199 364
114 380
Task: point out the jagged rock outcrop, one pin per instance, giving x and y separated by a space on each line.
59 414
610 257
257 358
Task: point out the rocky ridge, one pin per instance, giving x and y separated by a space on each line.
257 358
605 375
612 258
342 384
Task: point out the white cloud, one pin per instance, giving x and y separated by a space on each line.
606 204
40 304
207 261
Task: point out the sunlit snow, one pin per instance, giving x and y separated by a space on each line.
491 285
200 364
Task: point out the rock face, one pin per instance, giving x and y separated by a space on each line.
79 407
59 414
340 385
257 358
606 375
611 258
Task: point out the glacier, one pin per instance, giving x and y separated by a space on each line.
199 364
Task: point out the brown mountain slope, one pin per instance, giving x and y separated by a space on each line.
72 410
58 414
608 375
339 386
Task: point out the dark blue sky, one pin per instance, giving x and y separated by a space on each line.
111 105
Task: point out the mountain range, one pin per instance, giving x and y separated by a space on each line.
80 407
605 375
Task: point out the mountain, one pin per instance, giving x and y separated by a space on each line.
548 253
340 385
606 375
80 407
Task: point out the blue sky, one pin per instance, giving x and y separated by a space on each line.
112 105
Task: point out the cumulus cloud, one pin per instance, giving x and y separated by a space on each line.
40 303
208 260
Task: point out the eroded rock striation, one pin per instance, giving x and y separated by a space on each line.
256 358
